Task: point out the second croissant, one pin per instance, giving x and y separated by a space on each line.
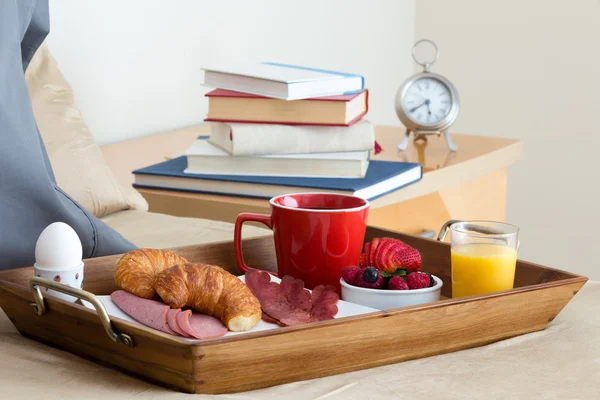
211 290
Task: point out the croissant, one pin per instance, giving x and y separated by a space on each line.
137 270
210 290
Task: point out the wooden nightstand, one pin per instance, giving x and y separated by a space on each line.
467 184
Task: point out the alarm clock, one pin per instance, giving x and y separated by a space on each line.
427 103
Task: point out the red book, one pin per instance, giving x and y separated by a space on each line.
343 110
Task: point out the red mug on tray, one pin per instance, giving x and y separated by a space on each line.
315 234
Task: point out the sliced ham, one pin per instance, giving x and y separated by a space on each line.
273 303
324 299
172 322
200 326
158 315
207 327
268 319
151 313
294 292
289 303
183 321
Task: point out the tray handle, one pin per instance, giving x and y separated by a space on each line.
39 307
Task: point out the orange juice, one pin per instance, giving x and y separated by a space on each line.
479 268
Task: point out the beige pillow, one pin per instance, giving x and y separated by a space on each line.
76 159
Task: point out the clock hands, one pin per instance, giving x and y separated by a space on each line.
425 103
417 107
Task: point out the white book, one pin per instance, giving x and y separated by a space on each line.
257 139
282 81
204 158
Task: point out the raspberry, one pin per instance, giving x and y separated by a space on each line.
418 280
370 278
350 274
397 283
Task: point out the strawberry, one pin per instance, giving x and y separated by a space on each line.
409 258
418 280
367 253
350 274
384 251
392 254
363 260
397 283
374 245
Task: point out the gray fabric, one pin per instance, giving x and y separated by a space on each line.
29 197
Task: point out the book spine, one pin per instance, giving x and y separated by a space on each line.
268 139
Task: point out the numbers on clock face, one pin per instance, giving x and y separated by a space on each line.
427 101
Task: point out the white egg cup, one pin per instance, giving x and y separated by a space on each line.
72 277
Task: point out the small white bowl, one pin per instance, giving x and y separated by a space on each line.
383 299
69 276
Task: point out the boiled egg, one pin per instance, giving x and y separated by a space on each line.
58 247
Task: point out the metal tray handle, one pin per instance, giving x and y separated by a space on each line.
39 307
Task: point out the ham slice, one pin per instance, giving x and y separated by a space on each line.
200 326
324 299
183 321
172 322
158 315
151 313
289 303
207 326
268 319
294 292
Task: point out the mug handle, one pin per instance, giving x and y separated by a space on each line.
237 234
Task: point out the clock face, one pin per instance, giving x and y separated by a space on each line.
427 101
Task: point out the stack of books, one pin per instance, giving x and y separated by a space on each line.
282 120
278 128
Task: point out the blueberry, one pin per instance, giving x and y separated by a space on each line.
371 275
431 280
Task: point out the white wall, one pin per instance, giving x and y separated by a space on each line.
529 70
135 65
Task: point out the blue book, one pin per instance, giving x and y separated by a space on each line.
382 177
282 81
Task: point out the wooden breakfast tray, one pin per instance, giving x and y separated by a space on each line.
267 358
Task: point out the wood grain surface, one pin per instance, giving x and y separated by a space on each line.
260 359
467 184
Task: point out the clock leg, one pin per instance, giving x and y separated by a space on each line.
419 137
449 141
402 145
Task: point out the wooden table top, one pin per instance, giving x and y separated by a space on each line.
476 156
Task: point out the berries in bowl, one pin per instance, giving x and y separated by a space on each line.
389 277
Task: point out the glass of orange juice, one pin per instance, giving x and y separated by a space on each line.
483 256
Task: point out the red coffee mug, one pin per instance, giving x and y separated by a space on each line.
315 234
